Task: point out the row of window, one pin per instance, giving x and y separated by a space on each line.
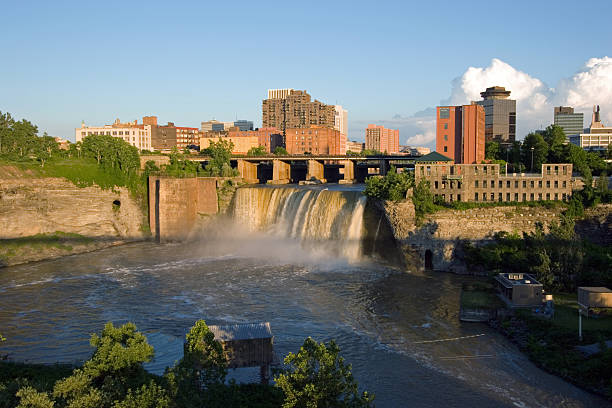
500 183
509 197
114 133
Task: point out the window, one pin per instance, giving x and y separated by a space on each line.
531 197
556 184
532 184
476 183
524 184
446 126
547 183
446 137
507 196
492 196
564 184
548 196
540 196
524 196
540 184
475 169
500 197
475 196
445 149
484 196
507 183
444 113
500 184
484 169
436 184
516 184
484 183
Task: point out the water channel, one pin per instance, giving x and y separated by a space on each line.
399 329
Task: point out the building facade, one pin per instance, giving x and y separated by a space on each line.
341 119
500 115
460 133
355 147
293 109
571 123
215 126
244 125
242 144
485 183
382 139
598 138
270 138
315 140
136 135
187 136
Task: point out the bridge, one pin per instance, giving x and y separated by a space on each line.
292 169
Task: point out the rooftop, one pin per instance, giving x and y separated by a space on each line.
510 279
433 157
246 331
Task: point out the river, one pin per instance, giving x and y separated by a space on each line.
399 329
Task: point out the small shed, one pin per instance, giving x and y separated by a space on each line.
520 289
247 345
594 296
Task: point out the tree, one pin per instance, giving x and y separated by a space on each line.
393 186
220 153
554 136
257 151
318 377
422 198
44 149
535 145
281 151
492 151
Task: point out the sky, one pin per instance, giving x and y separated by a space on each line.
388 63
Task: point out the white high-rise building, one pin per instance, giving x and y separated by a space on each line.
341 120
137 135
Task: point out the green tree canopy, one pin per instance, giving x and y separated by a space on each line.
492 151
540 151
281 151
318 377
257 151
554 136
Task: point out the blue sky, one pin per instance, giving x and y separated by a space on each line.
63 61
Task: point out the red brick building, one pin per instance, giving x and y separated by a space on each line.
460 133
315 140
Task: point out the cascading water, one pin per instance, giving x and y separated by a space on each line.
307 215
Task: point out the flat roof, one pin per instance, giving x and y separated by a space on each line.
248 331
510 279
595 289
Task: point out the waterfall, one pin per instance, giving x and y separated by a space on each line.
307 215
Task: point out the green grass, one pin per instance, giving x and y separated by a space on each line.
480 294
12 247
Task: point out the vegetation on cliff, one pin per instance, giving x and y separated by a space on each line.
393 186
115 377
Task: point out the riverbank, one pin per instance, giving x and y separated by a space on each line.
552 344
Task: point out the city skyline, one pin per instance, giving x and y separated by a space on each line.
71 65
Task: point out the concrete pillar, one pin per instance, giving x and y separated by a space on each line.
349 172
248 171
281 172
316 170
384 167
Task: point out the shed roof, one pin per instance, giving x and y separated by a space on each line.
433 157
246 331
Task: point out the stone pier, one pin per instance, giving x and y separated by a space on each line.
281 172
349 172
316 170
248 171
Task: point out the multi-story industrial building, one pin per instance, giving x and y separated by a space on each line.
599 136
460 133
270 138
341 119
485 182
288 108
315 140
163 137
500 115
137 135
381 139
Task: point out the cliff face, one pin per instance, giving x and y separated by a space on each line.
31 206
434 244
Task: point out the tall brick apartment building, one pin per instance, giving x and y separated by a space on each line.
315 140
460 133
288 108
485 183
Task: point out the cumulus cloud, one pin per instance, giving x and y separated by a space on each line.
591 85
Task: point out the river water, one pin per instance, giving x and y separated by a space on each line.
399 329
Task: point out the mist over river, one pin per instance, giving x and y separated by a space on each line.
399 330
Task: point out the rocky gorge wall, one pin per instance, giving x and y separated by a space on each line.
435 242
30 206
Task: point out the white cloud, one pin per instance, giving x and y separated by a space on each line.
592 85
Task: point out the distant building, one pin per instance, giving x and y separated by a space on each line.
460 133
500 115
353 146
137 135
598 138
382 139
315 140
486 183
242 144
63 144
215 126
244 125
288 108
571 123
187 136
270 138
520 289
341 120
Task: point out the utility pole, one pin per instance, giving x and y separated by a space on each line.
531 168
